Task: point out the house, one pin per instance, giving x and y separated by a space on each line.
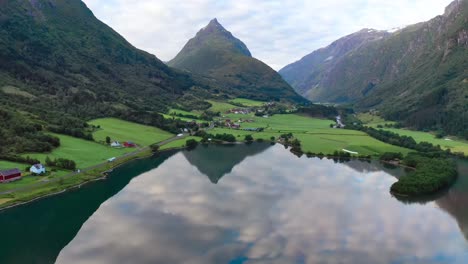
111 159
129 144
116 144
10 175
38 169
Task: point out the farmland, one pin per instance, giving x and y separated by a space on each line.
178 143
218 106
121 131
84 153
315 134
445 143
451 143
247 102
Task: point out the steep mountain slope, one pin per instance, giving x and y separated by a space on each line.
308 75
57 49
418 75
215 53
60 66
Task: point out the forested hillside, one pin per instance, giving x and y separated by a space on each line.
417 75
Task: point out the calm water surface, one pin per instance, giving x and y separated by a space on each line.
240 204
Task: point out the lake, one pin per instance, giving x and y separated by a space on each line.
240 204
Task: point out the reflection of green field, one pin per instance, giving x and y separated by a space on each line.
122 131
84 153
314 134
247 102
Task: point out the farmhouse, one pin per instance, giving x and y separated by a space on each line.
10 175
38 169
116 144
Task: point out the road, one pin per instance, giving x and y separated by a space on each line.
134 153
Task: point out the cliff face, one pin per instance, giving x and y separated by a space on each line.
417 75
310 74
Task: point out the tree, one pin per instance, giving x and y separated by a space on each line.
108 140
248 138
191 144
154 148
49 162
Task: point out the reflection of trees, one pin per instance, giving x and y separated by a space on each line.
217 161
37 232
455 202
363 166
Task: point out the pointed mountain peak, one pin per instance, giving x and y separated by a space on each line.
213 26
214 22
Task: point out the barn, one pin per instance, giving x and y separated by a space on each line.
10 175
129 144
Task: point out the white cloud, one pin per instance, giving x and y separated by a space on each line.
333 213
277 32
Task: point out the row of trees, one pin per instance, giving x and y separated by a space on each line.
61 163
397 139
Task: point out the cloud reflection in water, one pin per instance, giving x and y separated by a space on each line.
271 208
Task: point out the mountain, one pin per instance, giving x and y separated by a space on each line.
57 48
60 67
310 75
226 61
417 75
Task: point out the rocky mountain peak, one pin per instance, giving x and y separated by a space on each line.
453 7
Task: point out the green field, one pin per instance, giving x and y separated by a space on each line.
122 131
178 143
247 102
84 153
220 106
451 143
27 178
5 165
178 111
315 134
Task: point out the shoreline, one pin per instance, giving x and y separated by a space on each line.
99 174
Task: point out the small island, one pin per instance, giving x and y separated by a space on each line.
429 176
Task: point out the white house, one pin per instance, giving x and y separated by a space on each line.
116 144
38 169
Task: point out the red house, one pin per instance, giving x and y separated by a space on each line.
10 175
129 144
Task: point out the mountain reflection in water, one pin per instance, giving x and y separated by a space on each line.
269 207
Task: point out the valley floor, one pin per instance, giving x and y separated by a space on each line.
448 142
316 136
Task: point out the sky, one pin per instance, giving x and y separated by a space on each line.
278 32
